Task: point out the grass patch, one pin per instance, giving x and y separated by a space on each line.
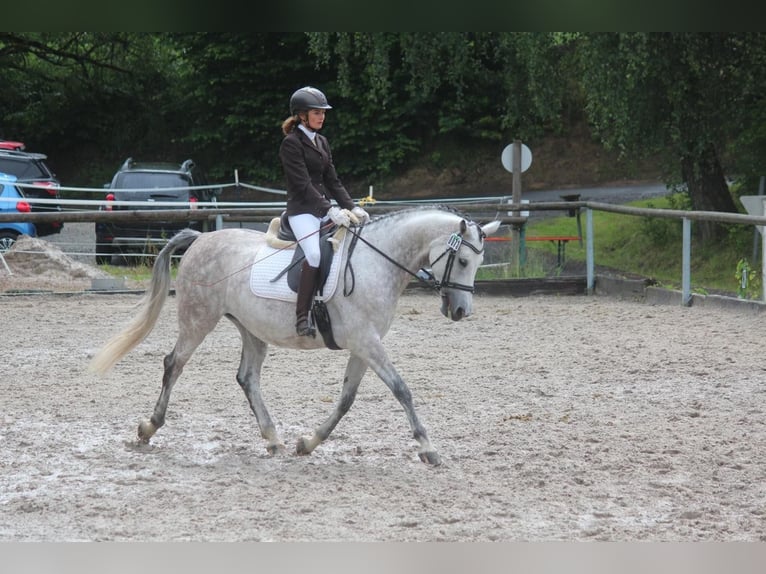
536 266
136 272
652 247
130 272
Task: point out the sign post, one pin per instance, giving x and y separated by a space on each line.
516 158
756 205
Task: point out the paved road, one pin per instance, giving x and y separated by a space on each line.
621 194
614 194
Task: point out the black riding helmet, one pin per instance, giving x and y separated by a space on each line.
308 98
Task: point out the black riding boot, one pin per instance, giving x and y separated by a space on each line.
306 290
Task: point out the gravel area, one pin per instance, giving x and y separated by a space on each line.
558 418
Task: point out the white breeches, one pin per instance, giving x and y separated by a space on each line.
306 229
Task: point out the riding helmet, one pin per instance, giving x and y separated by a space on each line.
308 98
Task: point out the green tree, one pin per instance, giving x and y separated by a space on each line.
83 97
688 94
409 92
91 99
479 85
237 88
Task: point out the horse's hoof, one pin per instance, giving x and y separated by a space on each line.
430 457
302 447
146 431
275 449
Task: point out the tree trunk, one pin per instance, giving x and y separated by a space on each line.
708 190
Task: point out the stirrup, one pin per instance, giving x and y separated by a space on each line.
304 329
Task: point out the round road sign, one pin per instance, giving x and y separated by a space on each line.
507 158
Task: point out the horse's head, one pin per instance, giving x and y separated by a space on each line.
454 262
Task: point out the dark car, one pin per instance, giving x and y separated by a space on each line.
31 168
12 200
149 182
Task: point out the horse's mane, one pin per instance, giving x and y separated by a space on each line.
420 208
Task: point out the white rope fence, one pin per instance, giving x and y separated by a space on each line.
236 212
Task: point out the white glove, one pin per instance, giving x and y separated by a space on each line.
340 216
361 215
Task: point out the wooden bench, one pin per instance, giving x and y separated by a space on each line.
560 240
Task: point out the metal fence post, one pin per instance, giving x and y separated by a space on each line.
5 264
589 266
763 257
686 296
218 218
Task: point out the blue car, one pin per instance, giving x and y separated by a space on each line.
12 201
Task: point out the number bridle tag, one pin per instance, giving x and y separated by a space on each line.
454 242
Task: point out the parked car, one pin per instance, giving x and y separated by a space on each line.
31 168
12 200
149 182
12 145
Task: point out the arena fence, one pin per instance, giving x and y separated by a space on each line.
216 214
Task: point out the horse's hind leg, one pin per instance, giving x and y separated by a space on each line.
191 334
354 372
249 378
174 365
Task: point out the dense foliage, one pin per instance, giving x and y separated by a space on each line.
90 99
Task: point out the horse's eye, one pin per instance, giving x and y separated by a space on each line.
463 261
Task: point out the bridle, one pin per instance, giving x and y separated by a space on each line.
454 243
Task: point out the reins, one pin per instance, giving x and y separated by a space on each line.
349 267
455 241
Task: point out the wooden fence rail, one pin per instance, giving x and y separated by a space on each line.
479 211
208 211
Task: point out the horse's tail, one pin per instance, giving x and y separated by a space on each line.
149 307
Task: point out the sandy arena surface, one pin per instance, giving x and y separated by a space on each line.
558 418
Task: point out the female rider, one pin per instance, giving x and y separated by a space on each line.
311 184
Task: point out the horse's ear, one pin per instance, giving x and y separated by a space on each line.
490 227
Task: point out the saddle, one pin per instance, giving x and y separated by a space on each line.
280 236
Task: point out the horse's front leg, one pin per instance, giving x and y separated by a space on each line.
384 368
249 378
355 369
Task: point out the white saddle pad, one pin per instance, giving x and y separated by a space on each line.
270 262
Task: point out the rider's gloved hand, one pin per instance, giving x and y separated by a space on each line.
361 215
341 217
